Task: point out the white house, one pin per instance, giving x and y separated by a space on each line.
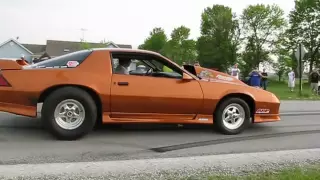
13 49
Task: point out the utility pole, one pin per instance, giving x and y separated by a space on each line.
83 31
300 52
300 71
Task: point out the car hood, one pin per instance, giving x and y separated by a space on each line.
211 75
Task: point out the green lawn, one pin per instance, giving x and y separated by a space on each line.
311 172
281 90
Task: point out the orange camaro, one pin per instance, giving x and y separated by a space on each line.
79 89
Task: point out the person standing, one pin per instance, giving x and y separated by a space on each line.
291 80
264 79
255 78
235 71
183 63
314 78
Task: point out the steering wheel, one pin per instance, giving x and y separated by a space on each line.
150 71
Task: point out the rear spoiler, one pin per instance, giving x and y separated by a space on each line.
12 64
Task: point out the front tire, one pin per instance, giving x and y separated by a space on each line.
232 116
69 113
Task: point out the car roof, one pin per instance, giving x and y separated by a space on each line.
126 50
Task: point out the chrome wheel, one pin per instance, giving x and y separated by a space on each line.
69 114
233 116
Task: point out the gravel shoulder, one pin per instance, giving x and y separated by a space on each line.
167 168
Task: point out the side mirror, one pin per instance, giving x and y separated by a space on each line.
186 77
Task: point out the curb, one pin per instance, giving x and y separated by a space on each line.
217 163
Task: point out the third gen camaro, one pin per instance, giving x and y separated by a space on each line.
104 85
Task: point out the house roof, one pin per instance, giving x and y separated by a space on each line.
58 48
35 48
124 46
16 42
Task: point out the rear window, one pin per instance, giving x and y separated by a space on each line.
70 60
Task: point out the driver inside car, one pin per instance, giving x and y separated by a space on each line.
123 66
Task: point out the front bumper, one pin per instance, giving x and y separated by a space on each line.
261 118
267 111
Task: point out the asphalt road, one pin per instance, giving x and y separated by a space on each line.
22 140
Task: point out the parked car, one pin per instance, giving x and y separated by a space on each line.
79 89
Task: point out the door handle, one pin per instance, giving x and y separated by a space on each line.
123 83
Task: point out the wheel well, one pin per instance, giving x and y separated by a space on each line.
248 99
90 91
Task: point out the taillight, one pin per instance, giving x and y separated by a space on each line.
3 81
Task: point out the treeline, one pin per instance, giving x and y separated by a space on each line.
258 34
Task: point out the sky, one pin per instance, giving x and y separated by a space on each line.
119 21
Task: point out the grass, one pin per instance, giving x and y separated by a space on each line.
281 90
311 172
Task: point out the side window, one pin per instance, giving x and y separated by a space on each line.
121 64
142 64
165 68
70 60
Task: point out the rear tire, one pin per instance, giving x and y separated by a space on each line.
69 113
232 116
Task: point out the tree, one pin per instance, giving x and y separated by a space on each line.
156 41
218 44
85 45
305 28
189 51
180 48
262 26
283 65
248 58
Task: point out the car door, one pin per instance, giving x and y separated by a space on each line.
144 97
